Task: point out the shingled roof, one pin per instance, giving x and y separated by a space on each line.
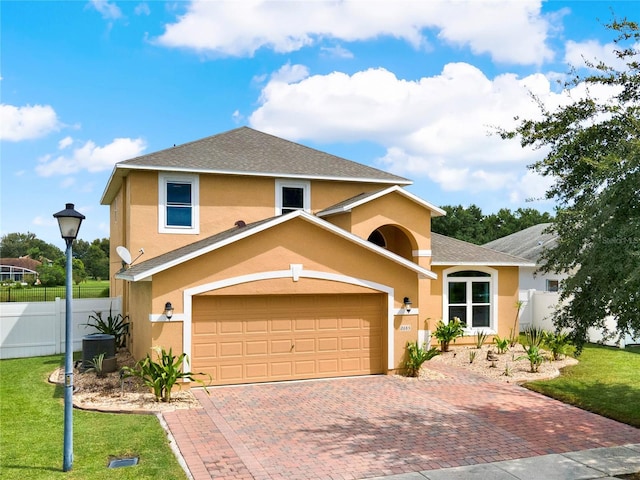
450 251
527 243
245 151
351 203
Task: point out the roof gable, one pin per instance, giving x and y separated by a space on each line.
450 251
351 203
245 151
145 270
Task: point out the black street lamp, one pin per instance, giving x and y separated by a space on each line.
69 222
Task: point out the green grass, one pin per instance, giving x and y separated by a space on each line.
31 432
88 289
606 381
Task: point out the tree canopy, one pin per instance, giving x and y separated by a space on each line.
593 158
471 225
91 260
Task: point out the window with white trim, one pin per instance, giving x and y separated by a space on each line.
553 285
178 209
292 195
469 295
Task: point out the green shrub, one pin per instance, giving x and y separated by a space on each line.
162 375
534 337
481 337
97 365
472 355
448 332
416 356
559 344
117 325
534 355
502 344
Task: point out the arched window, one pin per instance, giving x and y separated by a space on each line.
470 295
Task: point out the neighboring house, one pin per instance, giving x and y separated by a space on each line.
529 244
283 262
16 269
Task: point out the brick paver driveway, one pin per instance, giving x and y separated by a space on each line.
379 425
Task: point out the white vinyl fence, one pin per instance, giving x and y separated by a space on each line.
38 328
537 311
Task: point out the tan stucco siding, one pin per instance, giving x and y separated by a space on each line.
394 209
326 193
139 310
223 200
285 286
276 249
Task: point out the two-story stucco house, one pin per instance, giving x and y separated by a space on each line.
283 262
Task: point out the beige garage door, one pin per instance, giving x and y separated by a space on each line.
245 339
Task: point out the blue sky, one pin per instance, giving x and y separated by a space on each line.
412 87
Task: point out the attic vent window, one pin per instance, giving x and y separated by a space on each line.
292 196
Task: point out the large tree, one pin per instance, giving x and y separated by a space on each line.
15 245
592 154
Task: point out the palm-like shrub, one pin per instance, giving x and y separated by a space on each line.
559 344
115 325
416 356
448 332
163 374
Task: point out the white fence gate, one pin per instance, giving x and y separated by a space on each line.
537 311
38 328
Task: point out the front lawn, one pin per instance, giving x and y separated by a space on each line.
606 381
31 432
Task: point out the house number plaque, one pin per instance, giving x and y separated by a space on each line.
405 328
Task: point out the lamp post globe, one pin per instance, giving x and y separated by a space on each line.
69 221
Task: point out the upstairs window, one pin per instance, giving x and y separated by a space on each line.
178 204
292 196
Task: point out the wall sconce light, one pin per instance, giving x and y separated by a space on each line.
407 304
168 310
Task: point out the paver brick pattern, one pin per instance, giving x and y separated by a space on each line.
354 428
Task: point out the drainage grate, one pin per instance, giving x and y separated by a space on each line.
123 462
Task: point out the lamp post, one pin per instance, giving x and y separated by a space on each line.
69 222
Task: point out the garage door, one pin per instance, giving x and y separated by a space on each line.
245 339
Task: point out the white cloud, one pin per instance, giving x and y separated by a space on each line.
65 142
336 52
28 122
109 11
290 73
494 27
142 9
91 157
592 51
44 221
436 127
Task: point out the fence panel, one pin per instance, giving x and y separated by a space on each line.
49 294
538 312
30 329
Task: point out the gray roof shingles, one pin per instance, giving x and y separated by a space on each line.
449 251
248 151
527 243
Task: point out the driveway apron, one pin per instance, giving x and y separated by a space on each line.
354 428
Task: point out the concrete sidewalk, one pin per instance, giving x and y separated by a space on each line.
598 463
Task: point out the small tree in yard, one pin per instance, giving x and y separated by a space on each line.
592 155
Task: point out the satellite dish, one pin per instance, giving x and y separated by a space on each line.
124 254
